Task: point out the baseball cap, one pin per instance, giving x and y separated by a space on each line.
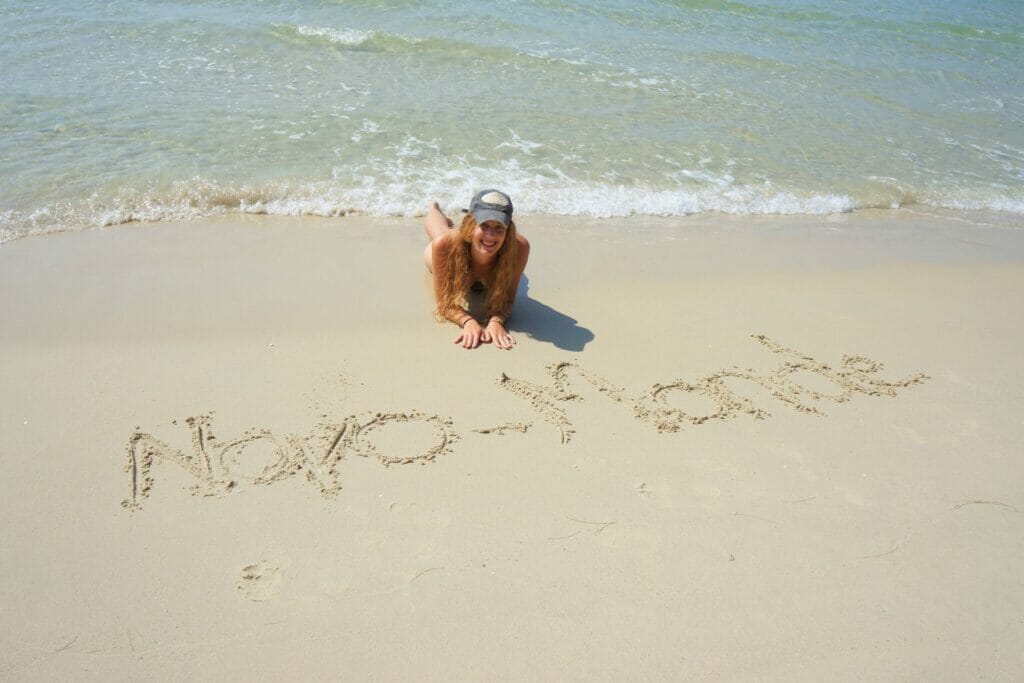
491 205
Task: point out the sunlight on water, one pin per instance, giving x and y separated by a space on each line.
118 111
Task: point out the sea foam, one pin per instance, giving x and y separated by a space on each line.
407 196
348 37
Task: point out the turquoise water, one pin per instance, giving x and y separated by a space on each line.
129 110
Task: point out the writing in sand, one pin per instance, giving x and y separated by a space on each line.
215 465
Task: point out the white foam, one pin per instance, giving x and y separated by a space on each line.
341 36
397 188
350 37
524 146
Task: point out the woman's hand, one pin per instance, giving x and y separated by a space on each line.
497 333
471 336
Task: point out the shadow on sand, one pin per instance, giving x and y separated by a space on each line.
543 323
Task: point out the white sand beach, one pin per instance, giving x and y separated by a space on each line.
759 448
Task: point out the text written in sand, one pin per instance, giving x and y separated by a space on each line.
215 464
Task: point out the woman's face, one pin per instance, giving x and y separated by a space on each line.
488 238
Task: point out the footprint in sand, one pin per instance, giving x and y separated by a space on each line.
259 582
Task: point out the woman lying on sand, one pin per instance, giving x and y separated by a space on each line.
484 252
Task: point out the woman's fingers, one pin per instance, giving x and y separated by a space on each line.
470 336
470 339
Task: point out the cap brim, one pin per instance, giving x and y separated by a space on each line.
484 215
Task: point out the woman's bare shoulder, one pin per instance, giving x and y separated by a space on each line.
442 244
524 249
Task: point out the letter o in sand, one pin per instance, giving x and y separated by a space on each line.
283 464
669 419
445 437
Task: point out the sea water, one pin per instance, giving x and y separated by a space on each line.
120 110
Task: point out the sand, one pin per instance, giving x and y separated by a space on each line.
723 448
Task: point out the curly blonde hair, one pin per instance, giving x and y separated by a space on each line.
458 267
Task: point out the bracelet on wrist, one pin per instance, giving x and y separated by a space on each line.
463 324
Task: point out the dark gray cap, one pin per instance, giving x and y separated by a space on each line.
491 205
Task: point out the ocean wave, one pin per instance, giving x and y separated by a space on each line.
574 62
406 196
1002 203
345 37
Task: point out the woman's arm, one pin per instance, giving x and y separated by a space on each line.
496 330
472 333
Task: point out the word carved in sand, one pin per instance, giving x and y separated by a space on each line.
215 465
856 374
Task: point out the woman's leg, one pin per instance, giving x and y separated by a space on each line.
436 224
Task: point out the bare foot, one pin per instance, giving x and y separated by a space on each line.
434 206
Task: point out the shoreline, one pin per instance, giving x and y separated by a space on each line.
970 218
643 487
